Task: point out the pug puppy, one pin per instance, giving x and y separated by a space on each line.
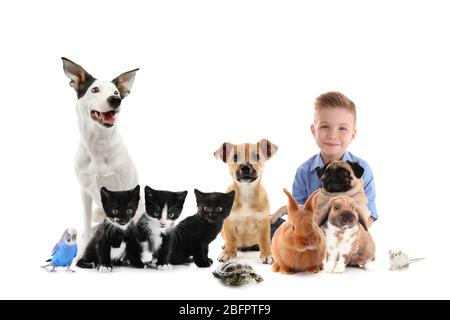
342 178
339 178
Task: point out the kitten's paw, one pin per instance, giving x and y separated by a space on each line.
266 259
203 264
165 267
224 257
369 266
104 269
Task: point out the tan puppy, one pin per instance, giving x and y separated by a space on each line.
347 237
298 245
249 222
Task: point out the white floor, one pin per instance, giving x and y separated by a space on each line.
424 280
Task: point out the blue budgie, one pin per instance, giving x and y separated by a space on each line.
64 251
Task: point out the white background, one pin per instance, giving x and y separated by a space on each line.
216 71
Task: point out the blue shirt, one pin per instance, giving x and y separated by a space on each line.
307 181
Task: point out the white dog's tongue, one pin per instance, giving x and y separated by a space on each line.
108 117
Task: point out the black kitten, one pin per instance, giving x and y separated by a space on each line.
192 236
162 208
115 241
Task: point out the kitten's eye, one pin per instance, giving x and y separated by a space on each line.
95 90
235 158
115 211
206 209
219 209
129 211
171 215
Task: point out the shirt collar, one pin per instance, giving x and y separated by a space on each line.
318 162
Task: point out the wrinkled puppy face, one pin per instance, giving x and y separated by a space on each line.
343 213
246 160
340 176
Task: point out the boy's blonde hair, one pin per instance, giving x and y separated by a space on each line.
334 99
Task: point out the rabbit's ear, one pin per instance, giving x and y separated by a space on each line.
292 203
323 213
362 217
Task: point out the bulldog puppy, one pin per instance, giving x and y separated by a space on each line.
348 239
342 178
248 224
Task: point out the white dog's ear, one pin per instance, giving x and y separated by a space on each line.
224 151
323 213
80 79
124 82
266 149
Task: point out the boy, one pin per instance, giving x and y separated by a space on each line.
334 130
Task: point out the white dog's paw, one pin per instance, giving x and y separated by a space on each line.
165 267
369 266
224 257
266 259
104 269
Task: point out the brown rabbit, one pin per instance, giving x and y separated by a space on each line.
298 245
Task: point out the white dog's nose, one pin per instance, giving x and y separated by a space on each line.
114 101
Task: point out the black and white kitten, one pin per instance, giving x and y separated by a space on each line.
115 241
192 236
162 208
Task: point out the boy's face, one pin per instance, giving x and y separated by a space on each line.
333 130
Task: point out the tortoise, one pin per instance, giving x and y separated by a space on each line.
234 273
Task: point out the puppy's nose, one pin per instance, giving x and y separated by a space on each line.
245 169
114 101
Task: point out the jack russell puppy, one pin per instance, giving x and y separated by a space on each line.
102 159
249 222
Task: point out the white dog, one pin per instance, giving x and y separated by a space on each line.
102 158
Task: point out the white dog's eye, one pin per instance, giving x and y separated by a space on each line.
116 92
336 207
129 211
95 90
115 211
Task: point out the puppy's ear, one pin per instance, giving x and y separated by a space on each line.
361 217
266 149
320 171
124 82
323 213
224 151
357 169
80 79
